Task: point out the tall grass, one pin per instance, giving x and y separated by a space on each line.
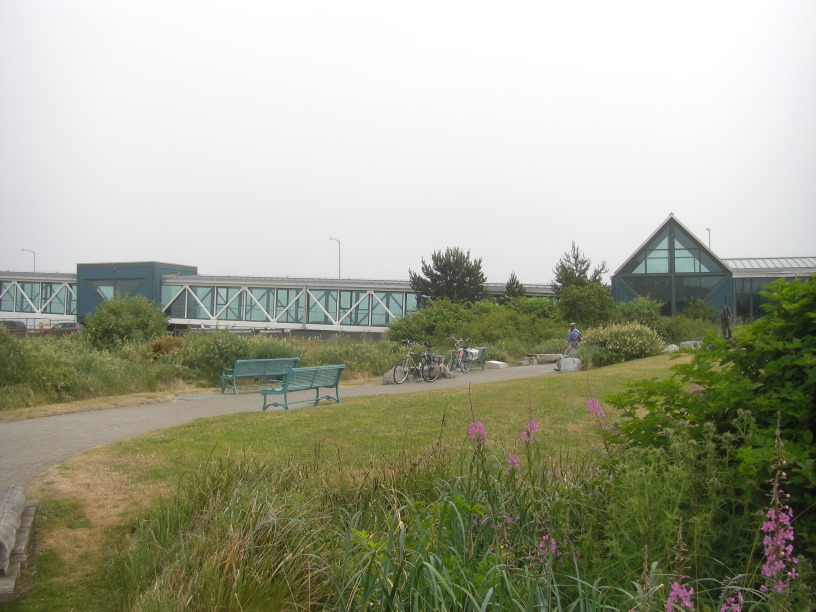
472 527
49 369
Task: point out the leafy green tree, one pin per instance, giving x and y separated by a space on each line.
572 270
450 275
514 288
695 308
124 319
442 318
740 391
644 311
588 304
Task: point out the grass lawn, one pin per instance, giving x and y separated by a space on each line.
89 502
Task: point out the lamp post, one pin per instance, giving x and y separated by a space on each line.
338 255
708 229
34 253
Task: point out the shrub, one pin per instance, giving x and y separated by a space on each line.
123 319
742 390
544 308
695 308
680 328
209 353
622 342
641 310
591 304
163 346
434 324
9 356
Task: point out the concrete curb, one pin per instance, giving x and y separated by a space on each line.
16 516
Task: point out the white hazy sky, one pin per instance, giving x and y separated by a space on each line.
240 136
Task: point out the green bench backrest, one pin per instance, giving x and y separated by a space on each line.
264 367
317 376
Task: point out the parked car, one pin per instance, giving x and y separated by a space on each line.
13 325
68 325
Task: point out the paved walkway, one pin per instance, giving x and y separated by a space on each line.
29 447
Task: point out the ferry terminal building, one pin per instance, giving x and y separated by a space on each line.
672 266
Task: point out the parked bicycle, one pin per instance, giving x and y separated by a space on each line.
460 357
426 363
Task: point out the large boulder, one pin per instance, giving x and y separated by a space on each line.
568 364
692 344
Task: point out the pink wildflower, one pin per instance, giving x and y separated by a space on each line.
513 464
697 389
530 431
594 407
680 595
476 432
733 603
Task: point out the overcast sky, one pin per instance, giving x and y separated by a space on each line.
240 136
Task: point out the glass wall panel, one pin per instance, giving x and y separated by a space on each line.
686 260
201 311
56 303
264 300
392 300
178 309
72 299
654 259
28 297
410 303
167 294
358 316
655 288
288 307
327 299
228 303
8 295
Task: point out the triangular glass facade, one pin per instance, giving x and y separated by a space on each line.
673 267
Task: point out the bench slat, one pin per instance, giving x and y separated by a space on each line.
304 379
264 369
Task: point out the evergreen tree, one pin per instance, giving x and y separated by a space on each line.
450 275
514 288
572 270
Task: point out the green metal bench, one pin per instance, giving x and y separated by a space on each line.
478 355
260 372
304 379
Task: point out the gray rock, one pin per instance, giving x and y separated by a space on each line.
671 348
692 344
568 364
495 365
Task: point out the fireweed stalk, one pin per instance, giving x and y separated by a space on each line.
680 595
779 564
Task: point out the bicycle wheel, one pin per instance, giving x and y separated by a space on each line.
467 363
453 362
401 370
430 371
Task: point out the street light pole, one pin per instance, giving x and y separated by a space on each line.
34 253
338 255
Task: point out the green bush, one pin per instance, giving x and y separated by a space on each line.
589 305
695 308
207 354
123 319
434 324
641 310
743 389
69 368
622 342
680 328
9 358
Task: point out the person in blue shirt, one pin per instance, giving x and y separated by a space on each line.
574 336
